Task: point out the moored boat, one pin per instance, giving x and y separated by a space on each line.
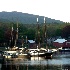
40 53
64 50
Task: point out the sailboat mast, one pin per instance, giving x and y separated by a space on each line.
17 32
44 28
45 35
38 33
12 33
26 39
11 38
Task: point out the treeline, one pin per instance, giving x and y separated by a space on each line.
30 30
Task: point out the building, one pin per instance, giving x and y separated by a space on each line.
31 44
66 44
59 43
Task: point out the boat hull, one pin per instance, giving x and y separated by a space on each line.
64 50
45 55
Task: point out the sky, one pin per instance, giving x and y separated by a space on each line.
55 9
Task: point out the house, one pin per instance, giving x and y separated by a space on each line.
59 43
66 44
32 44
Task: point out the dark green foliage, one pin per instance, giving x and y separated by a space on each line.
31 34
30 30
58 32
66 31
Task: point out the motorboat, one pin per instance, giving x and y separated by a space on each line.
10 54
40 53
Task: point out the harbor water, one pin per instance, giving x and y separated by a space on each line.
57 62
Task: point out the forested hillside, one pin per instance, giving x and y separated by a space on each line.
24 18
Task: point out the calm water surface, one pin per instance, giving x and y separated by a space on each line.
58 62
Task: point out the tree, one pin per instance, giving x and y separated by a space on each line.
31 34
58 32
66 32
8 37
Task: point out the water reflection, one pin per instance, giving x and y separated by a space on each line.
38 60
58 62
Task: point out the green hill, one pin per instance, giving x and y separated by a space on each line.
24 18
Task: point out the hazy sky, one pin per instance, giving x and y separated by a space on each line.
55 9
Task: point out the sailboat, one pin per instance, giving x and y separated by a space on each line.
40 52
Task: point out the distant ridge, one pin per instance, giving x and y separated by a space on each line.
24 18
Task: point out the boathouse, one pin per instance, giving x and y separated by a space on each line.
59 43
